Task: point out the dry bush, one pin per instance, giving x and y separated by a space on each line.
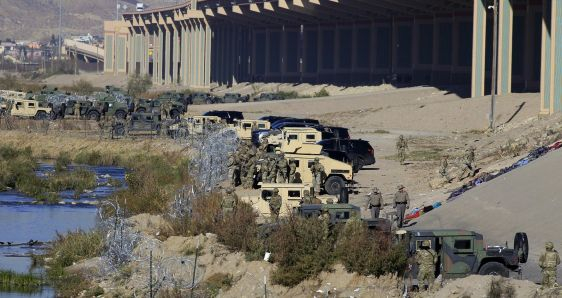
81 87
500 288
369 252
302 249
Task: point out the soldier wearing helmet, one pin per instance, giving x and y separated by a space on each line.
426 258
374 202
318 173
229 201
401 203
548 261
275 203
401 147
469 166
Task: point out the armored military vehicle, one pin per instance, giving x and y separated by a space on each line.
200 98
139 124
463 253
234 98
304 135
194 125
341 213
268 96
244 128
30 109
338 175
291 196
153 106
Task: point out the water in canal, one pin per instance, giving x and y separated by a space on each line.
21 221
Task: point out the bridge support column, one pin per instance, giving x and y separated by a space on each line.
167 55
176 51
478 48
551 68
505 44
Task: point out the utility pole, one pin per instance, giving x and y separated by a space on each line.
117 10
494 65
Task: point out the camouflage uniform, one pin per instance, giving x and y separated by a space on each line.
443 168
306 198
275 203
374 202
272 170
468 164
548 261
292 171
229 201
233 169
426 258
401 147
77 110
263 146
281 169
401 203
317 170
264 169
251 170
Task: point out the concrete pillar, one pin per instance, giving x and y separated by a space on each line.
505 43
551 68
162 55
183 56
208 48
155 54
176 53
478 48
167 55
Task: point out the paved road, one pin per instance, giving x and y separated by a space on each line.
528 199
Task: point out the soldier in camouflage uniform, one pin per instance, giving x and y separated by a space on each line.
77 110
275 204
229 201
374 202
292 171
401 204
233 169
251 171
426 258
318 173
272 169
549 261
263 146
264 169
468 164
281 169
401 147
306 198
443 168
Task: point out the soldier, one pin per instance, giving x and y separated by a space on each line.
443 168
375 202
229 201
281 169
401 147
252 166
318 173
548 261
264 169
401 204
306 198
272 169
77 110
468 164
233 169
292 171
263 146
275 203
426 258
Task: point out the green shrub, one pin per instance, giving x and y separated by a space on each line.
138 84
96 158
500 288
81 87
62 162
75 246
288 95
18 282
368 252
302 248
322 93
78 180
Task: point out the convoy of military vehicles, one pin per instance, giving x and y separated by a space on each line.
301 141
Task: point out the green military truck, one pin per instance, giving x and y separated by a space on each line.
461 253
177 108
341 213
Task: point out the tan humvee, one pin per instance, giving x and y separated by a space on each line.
291 196
194 125
304 135
12 95
244 128
29 109
337 174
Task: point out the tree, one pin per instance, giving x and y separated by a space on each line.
138 84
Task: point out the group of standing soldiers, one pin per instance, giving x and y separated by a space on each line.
401 203
250 163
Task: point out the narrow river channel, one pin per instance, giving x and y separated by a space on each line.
21 221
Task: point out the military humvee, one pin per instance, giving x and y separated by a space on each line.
234 98
204 98
12 95
30 109
267 96
304 135
244 128
463 253
154 106
341 213
291 195
337 174
139 124
194 125
3 106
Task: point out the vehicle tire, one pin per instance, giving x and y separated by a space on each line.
175 114
121 115
94 115
41 115
494 268
333 185
119 130
521 242
209 102
141 110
